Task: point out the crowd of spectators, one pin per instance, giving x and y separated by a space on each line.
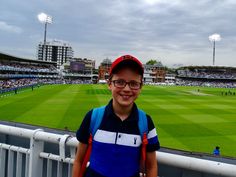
77 81
22 70
16 83
206 83
206 75
27 68
15 75
42 74
206 78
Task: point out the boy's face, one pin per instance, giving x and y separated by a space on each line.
125 97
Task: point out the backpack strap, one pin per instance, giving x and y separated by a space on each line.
142 122
96 119
143 128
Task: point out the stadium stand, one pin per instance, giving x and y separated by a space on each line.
79 71
17 73
207 76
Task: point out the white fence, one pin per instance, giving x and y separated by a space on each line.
17 161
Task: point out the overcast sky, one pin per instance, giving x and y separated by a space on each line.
171 31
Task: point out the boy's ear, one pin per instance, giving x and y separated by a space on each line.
109 84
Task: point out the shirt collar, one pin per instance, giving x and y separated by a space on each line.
132 117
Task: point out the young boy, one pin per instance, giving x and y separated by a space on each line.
116 145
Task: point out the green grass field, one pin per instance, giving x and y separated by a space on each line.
185 118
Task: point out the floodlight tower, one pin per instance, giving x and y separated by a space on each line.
213 38
46 19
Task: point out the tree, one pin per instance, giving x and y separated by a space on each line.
151 62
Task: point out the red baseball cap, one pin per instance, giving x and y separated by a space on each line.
127 61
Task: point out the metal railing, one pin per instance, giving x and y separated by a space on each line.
34 161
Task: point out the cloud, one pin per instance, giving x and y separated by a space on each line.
9 28
176 31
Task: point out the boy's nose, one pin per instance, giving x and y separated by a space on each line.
127 87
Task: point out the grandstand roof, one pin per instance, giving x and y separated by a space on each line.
4 56
216 67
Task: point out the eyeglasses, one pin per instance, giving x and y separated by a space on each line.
134 85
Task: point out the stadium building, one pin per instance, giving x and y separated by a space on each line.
170 78
154 73
55 51
19 72
209 76
103 70
79 70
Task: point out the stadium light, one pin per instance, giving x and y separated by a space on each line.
46 19
213 38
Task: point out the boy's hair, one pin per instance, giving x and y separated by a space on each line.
126 61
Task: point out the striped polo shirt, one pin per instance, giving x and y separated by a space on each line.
116 146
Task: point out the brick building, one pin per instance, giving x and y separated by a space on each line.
104 68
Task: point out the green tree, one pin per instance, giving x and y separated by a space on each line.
151 62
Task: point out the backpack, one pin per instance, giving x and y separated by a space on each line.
96 119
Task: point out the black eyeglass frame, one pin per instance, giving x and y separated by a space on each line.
129 84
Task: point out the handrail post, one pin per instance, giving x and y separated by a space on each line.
2 160
35 162
62 144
